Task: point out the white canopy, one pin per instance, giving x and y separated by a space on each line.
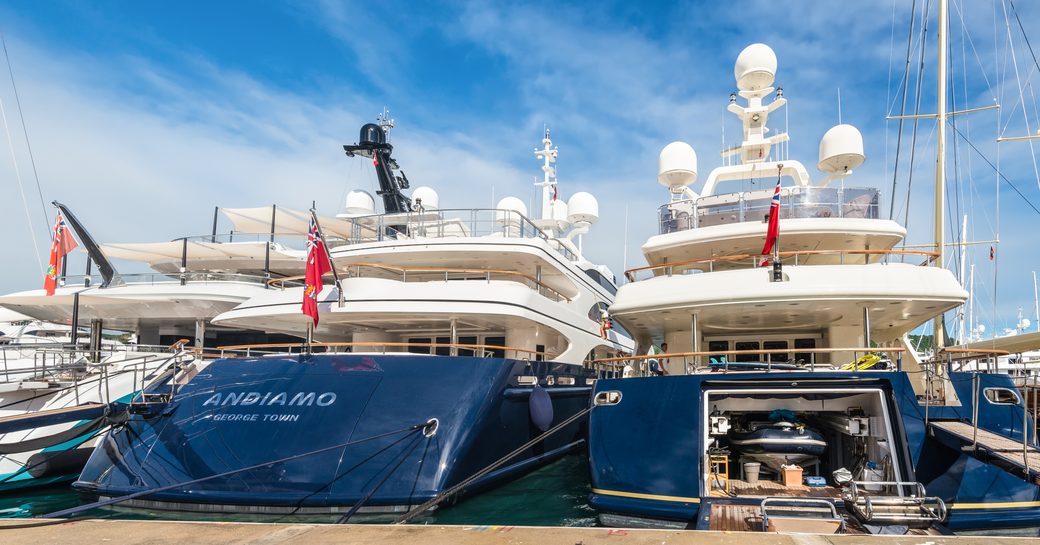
160 252
286 221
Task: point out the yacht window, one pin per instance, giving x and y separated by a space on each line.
1001 396
595 315
467 340
720 346
776 357
602 281
442 350
747 345
419 349
495 341
540 356
805 357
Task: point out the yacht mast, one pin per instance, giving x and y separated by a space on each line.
940 164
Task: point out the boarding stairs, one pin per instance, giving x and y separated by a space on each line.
889 503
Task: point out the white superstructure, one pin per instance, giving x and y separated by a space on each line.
843 282
471 281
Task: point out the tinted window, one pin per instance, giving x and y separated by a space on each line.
805 357
419 349
776 345
607 284
747 345
495 341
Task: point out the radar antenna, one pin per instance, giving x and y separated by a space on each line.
374 144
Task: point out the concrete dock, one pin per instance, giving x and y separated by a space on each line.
129 532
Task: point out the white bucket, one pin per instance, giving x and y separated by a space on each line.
873 475
751 471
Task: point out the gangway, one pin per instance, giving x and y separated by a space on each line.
964 436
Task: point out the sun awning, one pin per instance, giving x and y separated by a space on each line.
286 222
1013 343
158 252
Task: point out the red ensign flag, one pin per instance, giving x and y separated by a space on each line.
774 220
63 244
317 266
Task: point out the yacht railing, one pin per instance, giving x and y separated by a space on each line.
795 202
454 349
750 261
436 223
73 369
146 279
432 274
701 362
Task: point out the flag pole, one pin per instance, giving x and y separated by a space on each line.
778 267
310 337
328 255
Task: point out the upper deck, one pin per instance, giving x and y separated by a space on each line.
812 218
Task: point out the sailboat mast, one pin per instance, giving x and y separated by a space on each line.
940 163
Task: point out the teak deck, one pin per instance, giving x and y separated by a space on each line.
771 489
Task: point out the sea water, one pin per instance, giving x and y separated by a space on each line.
554 495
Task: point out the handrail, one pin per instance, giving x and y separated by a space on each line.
981 351
630 273
279 283
755 351
316 344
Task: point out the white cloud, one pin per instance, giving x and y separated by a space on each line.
143 151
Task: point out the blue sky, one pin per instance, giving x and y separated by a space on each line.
142 116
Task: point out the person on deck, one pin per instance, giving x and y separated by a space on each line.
657 366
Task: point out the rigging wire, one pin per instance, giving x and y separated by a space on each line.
25 133
21 190
902 109
1024 36
996 168
1021 95
917 111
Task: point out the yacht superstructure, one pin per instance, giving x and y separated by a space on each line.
447 339
797 362
109 335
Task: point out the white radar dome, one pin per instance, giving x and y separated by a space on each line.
509 210
360 203
430 199
677 165
841 150
582 207
755 68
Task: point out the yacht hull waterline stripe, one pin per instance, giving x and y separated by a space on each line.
997 505
641 496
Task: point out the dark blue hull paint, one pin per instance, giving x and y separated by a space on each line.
232 416
644 452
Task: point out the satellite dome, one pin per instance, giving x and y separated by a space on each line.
509 210
841 149
582 207
677 165
360 203
755 67
430 199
